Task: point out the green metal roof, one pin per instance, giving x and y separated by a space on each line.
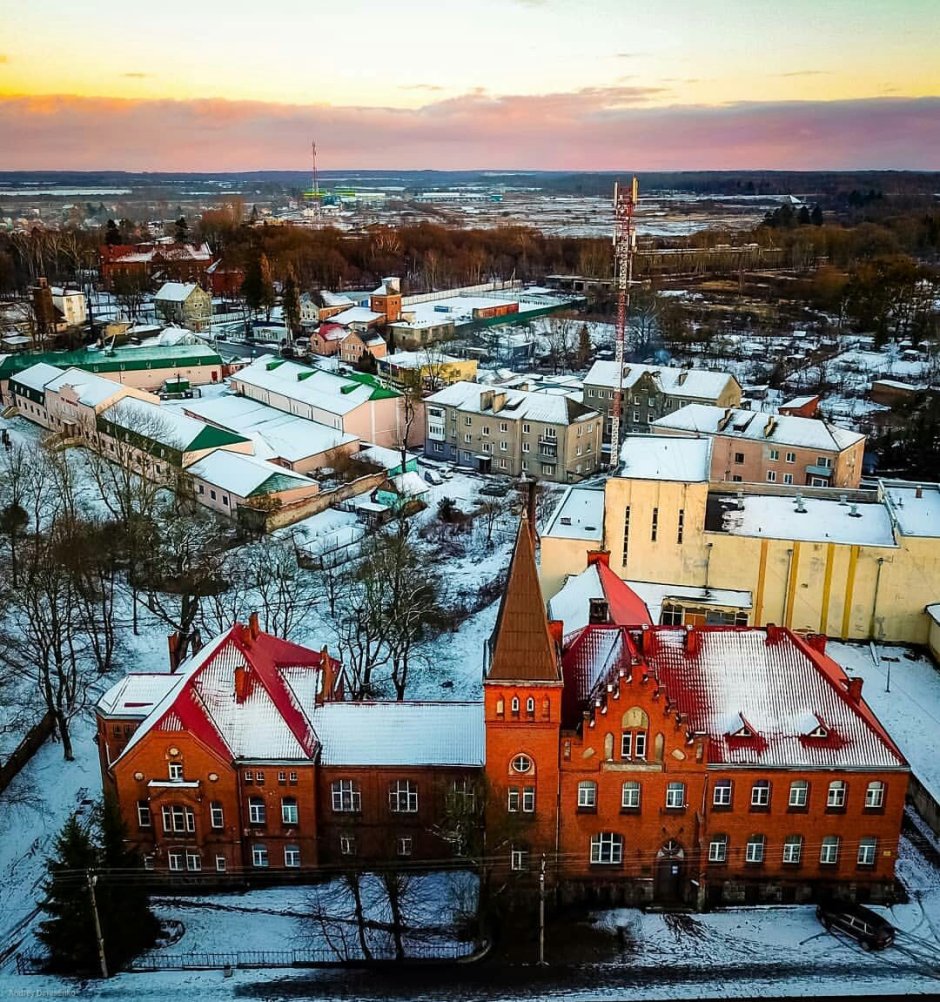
115 360
277 482
379 392
212 438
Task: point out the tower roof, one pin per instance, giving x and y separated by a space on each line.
523 648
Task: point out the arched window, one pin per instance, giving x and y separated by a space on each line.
835 799
530 706
514 705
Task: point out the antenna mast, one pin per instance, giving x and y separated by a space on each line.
624 245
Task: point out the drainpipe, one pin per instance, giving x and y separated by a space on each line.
708 563
786 587
874 604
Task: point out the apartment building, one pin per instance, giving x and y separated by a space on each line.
650 392
754 447
513 432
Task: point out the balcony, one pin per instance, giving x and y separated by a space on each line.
819 471
548 447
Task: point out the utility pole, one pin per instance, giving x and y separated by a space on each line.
92 879
542 912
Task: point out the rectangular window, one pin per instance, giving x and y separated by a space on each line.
867 850
503 446
346 795
718 849
177 818
626 532
587 794
754 853
403 797
249 776
722 795
259 777
675 795
739 458
799 793
485 430
404 846
548 470
518 859
259 855
257 812
774 455
874 796
639 745
292 777
176 772
654 525
193 860
630 796
788 478
607 848
220 864
143 814
526 429
792 849
292 856
513 801
282 777
503 426
216 815
760 794
835 798
347 845
771 476
468 438
829 853
175 859
289 812
680 530
468 420
791 457
528 799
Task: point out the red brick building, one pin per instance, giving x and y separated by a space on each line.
246 759
701 766
156 263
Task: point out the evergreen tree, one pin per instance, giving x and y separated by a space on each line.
816 217
584 346
181 231
366 363
69 931
258 287
128 925
803 217
290 300
112 235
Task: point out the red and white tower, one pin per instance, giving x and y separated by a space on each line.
625 200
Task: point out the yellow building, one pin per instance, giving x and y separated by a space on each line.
851 564
432 369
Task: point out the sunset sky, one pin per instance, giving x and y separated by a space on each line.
550 84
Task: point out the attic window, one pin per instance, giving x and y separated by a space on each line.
742 732
818 732
566 520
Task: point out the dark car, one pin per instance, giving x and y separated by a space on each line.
871 931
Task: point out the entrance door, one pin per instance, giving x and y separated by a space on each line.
670 873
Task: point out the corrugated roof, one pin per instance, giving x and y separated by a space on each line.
443 734
136 695
522 646
695 384
519 404
123 359
246 476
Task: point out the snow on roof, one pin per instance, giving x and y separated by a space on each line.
822 520
661 457
332 332
657 595
774 681
800 401
697 384
409 484
914 516
389 458
356 315
274 432
271 716
519 404
579 515
400 734
323 390
417 359
779 429
775 687
136 695
90 389
933 611
159 424
244 475
175 292
335 299
36 376
572 605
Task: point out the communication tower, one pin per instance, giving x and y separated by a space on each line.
625 200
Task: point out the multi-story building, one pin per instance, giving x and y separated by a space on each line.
163 260
753 447
856 565
184 303
431 369
650 392
513 432
357 343
678 765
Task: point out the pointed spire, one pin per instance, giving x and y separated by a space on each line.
522 646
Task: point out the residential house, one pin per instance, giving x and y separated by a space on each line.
513 432
754 447
226 481
431 370
356 343
185 304
327 339
386 299
411 334
650 392
164 260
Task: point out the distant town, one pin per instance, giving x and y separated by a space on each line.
477 571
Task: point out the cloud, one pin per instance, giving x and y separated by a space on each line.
612 128
805 73
428 87
136 76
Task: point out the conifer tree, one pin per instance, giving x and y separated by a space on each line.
290 300
258 288
69 931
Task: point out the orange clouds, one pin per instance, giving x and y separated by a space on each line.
588 129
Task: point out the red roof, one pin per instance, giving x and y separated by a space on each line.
626 607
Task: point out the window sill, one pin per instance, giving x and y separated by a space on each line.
721 808
873 810
759 808
794 809
835 810
629 810
587 810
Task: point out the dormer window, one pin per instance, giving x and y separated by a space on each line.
818 732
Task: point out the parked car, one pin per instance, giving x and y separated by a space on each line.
870 930
433 477
446 473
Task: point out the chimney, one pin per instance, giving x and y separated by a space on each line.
173 644
854 512
773 634
253 628
557 630
693 641
683 376
327 678
598 557
853 686
486 400
918 491
770 426
499 401
599 611
649 642
242 683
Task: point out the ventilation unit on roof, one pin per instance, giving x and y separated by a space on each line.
843 499
854 512
740 500
800 507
